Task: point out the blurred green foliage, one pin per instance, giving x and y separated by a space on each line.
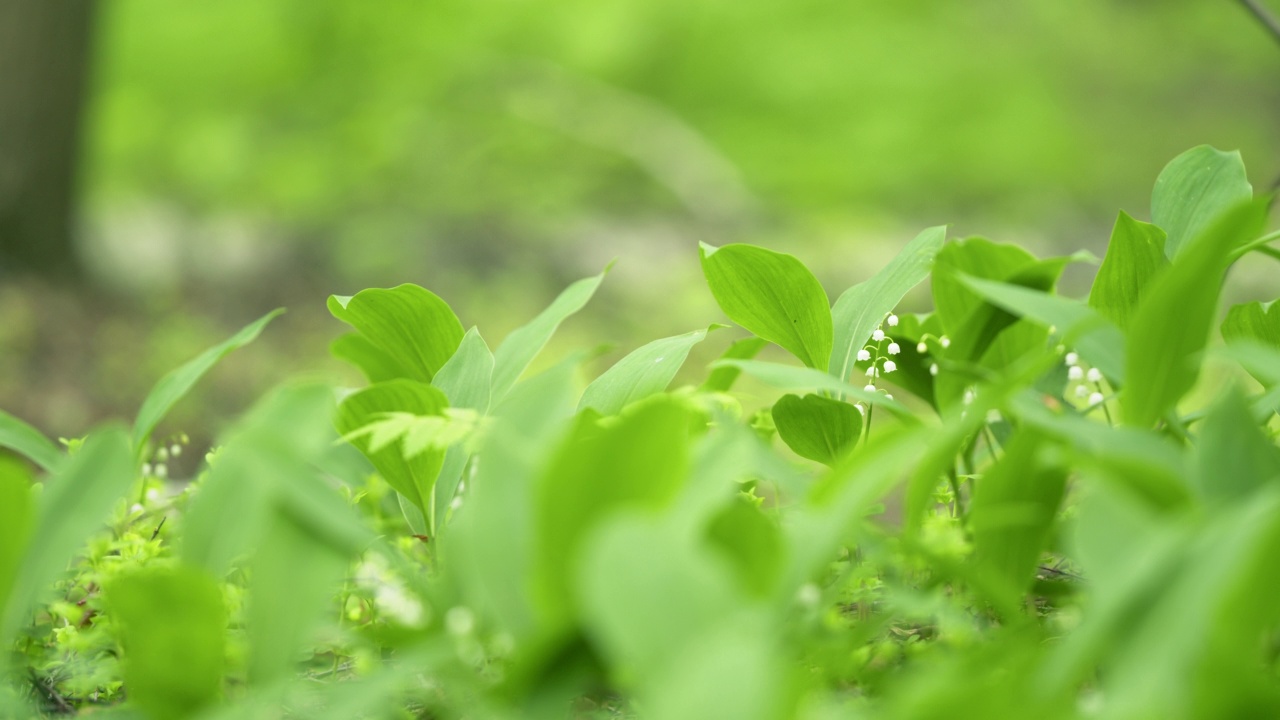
466 121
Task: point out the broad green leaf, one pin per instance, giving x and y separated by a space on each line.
414 478
412 327
28 442
1140 461
788 377
644 371
953 302
1256 321
640 461
173 629
292 579
519 348
1098 341
269 467
76 500
377 365
774 296
752 543
722 378
1134 256
646 591
1235 457
861 308
16 517
816 427
178 383
992 338
732 669
1218 593
1172 323
1193 190
488 551
467 378
1013 510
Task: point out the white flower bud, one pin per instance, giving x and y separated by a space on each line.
870 388
175 450
162 471
933 369
894 349
1072 358
893 320
945 341
1095 398
162 454
968 397
146 469
135 509
878 335
1094 375
1075 373
871 371
887 396
890 366
1081 391
864 355
921 347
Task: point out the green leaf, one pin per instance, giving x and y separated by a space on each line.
519 348
1097 340
292 581
412 328
16 516
270 466
1134 256
638 462
414 478
1255 321
861 308
787 377
816 427
732 669
1145 464
376 365
953 301
488 549
644 371
1235 457
774 296
75 501
1193 190
646 591
752 543
172 627
178 383
29 442
467 378
1013 509
723 377
1172 323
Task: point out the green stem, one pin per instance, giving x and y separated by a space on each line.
1259 245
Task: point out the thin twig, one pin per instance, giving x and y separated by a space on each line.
1263 16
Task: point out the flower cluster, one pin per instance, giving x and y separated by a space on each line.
879 352
1087 382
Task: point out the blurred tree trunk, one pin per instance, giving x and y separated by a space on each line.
44 56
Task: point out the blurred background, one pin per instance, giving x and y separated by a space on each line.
171 170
